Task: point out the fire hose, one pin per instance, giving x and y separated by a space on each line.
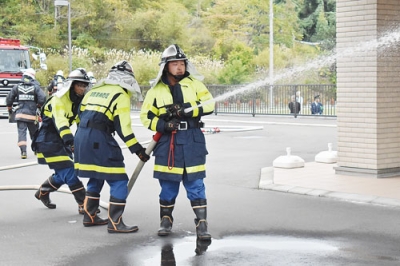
150 147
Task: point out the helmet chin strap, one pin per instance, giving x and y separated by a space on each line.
177 77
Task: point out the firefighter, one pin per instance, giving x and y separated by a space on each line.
57 80
54 142
30 97
180 154
92 78
104 111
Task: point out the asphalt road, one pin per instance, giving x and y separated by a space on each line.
249 226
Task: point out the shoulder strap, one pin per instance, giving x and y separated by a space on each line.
112 100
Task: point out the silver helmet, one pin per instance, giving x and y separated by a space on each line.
172 53
122 74
78 74
175 53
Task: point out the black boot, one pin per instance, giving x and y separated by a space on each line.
43 193
115 223
79 192
200 209
202 246
166 209
90 208
167 255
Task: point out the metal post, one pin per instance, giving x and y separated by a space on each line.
67 3
69 37
271 51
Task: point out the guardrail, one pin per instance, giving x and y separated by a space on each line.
267 100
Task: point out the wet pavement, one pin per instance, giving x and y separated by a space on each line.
250 225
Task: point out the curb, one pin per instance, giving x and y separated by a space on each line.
267 183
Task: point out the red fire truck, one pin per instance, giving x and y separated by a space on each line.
14 59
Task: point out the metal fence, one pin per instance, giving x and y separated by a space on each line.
267 100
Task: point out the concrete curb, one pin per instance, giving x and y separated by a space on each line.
267 183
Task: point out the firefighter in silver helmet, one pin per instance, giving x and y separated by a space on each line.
54 142
30 97
174 106
105 110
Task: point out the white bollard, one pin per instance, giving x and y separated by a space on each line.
288 161
328 156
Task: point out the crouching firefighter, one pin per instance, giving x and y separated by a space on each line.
180 154
54 142
105 110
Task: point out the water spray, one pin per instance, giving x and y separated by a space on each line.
389 38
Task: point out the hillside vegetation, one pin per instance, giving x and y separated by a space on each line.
227 40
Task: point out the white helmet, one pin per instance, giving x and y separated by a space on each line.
30 72
175 53
91 77
60 73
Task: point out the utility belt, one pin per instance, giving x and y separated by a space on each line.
185 125
98 126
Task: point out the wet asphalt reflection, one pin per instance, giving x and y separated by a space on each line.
233 250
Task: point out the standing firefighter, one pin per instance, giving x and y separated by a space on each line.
57 80
105 110
180 154
55 143
30 97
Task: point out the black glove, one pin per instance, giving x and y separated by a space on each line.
171 125
143 156
177 110
70 144
9 109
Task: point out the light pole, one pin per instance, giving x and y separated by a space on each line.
66 3
271 51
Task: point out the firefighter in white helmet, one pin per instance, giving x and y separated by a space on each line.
54 142
180 154
57 80
30 97
92 78
105 110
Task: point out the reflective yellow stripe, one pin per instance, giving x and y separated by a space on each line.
56 159
65 132
165 169
131 142
154 122
22 143
196 169
121 111
100 169
40 155
100 109
179 170
29 117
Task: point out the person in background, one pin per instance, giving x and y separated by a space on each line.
174 106
299 99
57 80
294 106
30 97
106 110
92 78
54 142
316 107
